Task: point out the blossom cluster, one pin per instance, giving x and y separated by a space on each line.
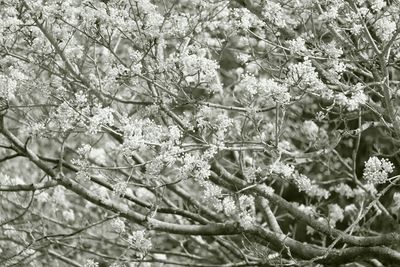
305 184
275 13
139 240
218 122
355 101
83 163
311 130
196 68
247 211
91 263
118 225
377 170
229 206
100 117
305 77
281 168
385 27
120 188
139 134
264 89
297 46
244 19
336 214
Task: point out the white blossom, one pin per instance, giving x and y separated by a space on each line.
139 241
281 168
118 225
247 211
9 231
197 68
68 215
376 170
303 75
302 182
119 188
332 50
101 117
229 205
311 130
318 192
308 210
274 13
90 263
357 98
211 190
297 45
350 210
43 197
385 27
343 190
377 5
335 214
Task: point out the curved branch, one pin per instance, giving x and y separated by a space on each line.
383 239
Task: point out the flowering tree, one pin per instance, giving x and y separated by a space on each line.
199 133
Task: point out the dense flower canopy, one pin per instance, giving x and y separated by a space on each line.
199 133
